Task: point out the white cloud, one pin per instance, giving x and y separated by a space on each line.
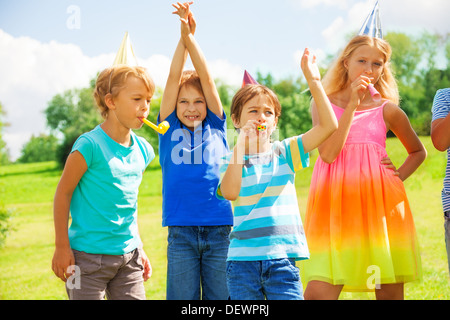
34 72
320 56
316 3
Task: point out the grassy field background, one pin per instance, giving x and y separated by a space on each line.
28 189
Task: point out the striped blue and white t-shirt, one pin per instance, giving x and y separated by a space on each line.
441 108
267 223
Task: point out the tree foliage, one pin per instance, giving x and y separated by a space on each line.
39 149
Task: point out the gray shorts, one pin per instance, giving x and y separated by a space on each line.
120 277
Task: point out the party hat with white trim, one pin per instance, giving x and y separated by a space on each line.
372 25
125 55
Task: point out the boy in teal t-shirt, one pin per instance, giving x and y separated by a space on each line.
101 253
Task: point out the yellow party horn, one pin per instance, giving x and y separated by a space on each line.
162 128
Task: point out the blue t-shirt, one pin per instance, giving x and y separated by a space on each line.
190 173
441 108
104 203
267 223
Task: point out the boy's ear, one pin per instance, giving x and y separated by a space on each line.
235 121
109 101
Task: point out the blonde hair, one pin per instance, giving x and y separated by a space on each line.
247 93
336 78
112 81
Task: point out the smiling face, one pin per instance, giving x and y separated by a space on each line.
191 106
367 61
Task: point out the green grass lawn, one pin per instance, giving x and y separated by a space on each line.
25 260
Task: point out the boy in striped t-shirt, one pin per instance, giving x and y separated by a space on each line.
440 135
259 176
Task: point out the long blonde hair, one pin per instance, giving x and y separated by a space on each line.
336 78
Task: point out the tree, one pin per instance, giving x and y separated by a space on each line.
70 114
38 149
414 64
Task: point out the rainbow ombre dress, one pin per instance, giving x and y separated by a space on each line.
359 226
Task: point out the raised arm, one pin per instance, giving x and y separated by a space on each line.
170 95
331 147
199 61
326 122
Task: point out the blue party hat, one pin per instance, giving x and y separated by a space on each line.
372 25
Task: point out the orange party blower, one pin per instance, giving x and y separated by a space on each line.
162 128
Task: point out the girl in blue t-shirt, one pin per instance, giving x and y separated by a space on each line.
198 223
101 253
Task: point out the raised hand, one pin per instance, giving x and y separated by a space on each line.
182 9
186 16
309 66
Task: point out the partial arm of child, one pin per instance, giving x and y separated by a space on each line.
170 95
230 186
199 61
440 133
397 121
330 148
326 122
63 257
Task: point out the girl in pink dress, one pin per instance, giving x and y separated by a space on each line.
359 226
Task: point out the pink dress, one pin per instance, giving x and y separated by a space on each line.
358 225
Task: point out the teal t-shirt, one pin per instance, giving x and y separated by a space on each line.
104 203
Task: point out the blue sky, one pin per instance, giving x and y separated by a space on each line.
48 46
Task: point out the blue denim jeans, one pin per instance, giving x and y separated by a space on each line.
196 263
277 279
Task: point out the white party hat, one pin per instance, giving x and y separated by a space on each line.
372 25
125 55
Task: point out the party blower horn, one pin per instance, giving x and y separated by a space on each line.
125 55
162 128
376 96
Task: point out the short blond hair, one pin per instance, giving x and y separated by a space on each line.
112 80
336 77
